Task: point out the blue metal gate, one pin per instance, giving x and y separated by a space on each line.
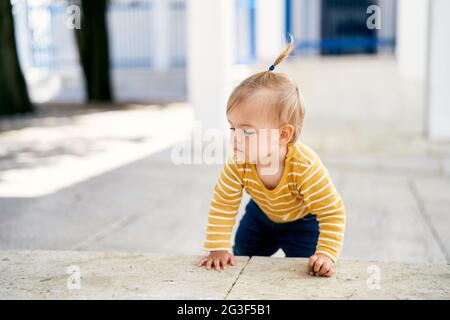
341 26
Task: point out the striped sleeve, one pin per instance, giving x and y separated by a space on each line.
323 200
223 209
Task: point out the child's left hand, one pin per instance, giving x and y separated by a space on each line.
320 265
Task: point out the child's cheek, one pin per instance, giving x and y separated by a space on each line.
251 147
263 147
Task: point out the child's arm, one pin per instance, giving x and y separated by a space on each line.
223 209
323 200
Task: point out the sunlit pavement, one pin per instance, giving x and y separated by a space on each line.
58 148
81 183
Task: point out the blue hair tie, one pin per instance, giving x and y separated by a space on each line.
271 68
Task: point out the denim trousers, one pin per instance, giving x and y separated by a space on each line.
257 235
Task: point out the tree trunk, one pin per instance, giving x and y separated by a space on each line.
93 50
13 90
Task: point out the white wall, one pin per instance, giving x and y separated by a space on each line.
306 18
438 101
412 25
388 23
161 22
210 58
270 33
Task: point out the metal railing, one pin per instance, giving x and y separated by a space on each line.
136 33
133 34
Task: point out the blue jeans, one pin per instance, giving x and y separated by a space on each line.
257 235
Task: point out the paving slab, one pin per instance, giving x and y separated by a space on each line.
55 275
45 275
384 220
286 278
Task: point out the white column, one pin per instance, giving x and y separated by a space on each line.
412 25
299 26
306 22
387 31
210 59
438 99
314 19
22 34
161 47
270 29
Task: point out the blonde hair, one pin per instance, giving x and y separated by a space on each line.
284 99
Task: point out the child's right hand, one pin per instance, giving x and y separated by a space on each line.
219 259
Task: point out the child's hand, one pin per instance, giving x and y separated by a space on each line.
320 265
219 259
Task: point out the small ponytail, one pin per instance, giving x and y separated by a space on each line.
283 55
279 93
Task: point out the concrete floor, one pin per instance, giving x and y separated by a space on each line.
362 119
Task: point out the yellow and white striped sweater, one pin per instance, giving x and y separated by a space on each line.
305 187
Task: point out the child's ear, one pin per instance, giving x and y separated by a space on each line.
286 133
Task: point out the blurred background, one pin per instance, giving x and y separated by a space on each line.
95 96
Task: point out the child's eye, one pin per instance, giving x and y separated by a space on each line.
232 129
249 132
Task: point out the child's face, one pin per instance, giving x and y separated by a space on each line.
253 137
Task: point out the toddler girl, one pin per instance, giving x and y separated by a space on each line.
294 204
